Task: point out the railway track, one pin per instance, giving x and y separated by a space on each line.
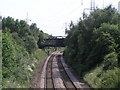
56 75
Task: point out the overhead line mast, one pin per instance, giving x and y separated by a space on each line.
27 18
92 7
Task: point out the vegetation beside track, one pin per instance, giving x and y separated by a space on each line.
20 53
93 48
0 59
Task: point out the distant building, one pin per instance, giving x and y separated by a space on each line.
119 7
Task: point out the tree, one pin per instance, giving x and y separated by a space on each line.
93 39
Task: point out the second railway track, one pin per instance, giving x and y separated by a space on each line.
57 75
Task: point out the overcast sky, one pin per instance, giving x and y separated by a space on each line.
50 15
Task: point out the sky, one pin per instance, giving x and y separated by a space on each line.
51 16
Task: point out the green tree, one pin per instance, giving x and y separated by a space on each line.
93 41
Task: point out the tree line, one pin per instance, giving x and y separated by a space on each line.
93 48
20 52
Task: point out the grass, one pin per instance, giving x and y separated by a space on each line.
26 76
98 78
92 77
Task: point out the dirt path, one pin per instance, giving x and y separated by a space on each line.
55 74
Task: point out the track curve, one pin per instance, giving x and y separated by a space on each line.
57 75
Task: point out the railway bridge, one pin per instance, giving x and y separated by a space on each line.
56 41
